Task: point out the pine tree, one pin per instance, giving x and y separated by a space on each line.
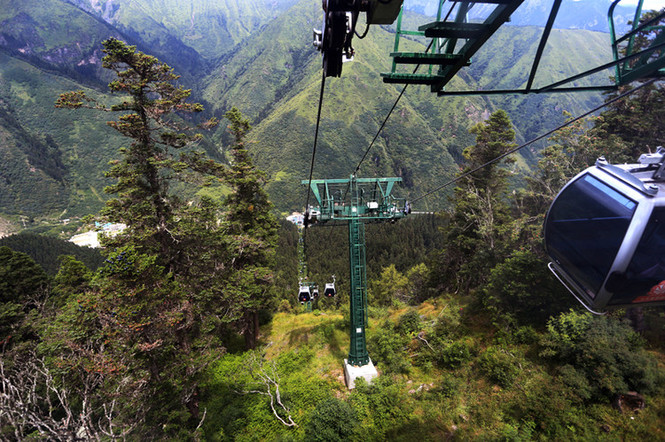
169 283
253 226
476 224
143 201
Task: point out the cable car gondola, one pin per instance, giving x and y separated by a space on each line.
329 291
605 234
304 294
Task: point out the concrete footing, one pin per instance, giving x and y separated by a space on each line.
352 372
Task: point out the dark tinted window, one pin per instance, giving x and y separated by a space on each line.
646 271
585 228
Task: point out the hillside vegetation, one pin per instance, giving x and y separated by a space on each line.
190 328
268 69
445 372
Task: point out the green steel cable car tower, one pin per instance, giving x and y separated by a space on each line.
356 201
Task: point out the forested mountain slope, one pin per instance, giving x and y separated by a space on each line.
268 69
209 28
566 52
55 36
279 85
74 152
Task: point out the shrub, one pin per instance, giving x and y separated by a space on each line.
332 420
522 288
449 322
387 347
552 405
382 407
453 354
417 290
448 386
389 287
606 353
284 306
409 322
499 367
525 335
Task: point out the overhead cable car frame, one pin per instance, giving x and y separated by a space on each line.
605 234
455 39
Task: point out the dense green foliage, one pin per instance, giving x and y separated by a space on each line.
46 251
599 357
175 283
253 226
399 245
482 388
33 174
177 335
333 420
23 288
476 228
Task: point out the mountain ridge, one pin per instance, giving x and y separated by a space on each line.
273 77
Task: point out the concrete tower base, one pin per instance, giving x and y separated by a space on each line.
352 372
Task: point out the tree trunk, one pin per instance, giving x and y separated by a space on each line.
251 330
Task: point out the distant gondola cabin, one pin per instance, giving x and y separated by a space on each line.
329 291
304 294
605 234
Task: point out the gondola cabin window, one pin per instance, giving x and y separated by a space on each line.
585 228
644 279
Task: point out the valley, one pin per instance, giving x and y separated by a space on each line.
270 72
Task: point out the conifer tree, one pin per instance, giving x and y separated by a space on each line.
143 201
475 229
169 283
23 289
253 226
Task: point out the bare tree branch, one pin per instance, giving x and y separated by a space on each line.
31 400
270 380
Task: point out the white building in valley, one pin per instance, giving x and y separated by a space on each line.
91 238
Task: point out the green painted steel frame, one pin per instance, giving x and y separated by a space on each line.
457 58
632 66
374 199
637 64
369 199
358 296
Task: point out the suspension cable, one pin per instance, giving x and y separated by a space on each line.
500 157
399 97
311 167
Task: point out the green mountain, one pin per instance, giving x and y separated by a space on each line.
54 36
567 52
32 171
275 79
188 34
56 155
256 55
210 27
